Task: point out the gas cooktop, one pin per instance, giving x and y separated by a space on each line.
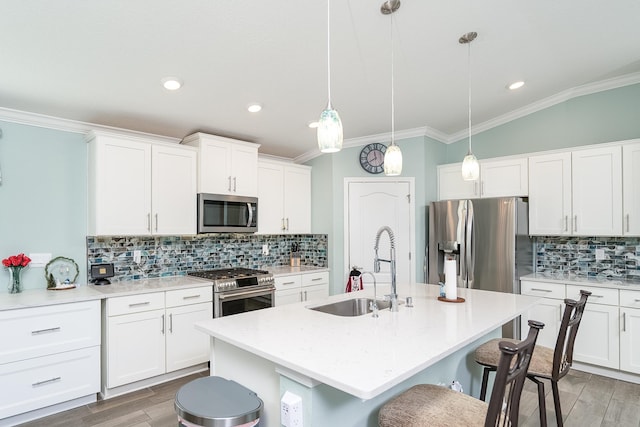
227 273
228 279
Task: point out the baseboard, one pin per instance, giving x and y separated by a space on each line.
606 372
108 393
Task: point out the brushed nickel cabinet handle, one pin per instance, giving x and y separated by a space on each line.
162 330
575 223
171 322
541 290
234 184
46 331
139 304
627 222
149 221
316 279
229 183
305 295
49 381
283 225
624 322
156 222
287 224
191 296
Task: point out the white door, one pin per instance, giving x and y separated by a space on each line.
186 346
550 194
371 205
598 336
630 340
631 189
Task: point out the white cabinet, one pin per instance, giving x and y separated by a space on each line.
630 331
597 191
284 194
150 334
138 186
598 339
548 311
225 166
49 355
631 189
498 178
577 193
301 287
550 194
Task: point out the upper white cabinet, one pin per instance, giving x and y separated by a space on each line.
577 193
138 186
498 178
631 189
225 166
284 194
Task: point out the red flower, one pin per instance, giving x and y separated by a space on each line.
20 260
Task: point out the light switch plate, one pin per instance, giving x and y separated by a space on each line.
39 260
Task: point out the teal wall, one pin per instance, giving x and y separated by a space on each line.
606 116
43 197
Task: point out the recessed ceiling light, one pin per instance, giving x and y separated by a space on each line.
516 85
254 108
171 83
313 125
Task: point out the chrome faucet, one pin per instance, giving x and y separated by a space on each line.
392 263
373 305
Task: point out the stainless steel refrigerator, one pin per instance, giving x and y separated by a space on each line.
489 239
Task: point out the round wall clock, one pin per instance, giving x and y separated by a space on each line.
372 157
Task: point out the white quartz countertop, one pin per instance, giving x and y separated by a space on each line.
285 270
580 280
365 356
42 297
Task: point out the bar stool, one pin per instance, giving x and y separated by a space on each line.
546 363
217 402
433 405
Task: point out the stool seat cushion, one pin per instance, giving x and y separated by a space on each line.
541 364
432 405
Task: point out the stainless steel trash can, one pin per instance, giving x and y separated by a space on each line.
217 402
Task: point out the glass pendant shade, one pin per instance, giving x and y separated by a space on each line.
470 167
393 160
329 131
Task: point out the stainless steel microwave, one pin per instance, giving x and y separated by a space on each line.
219 213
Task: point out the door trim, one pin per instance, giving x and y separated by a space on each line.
412 219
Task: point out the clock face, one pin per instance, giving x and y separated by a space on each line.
372 157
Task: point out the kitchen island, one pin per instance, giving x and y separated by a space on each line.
345 368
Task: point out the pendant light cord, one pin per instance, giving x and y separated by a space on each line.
469 85
393 108
329 50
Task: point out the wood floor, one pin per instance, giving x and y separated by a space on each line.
587 400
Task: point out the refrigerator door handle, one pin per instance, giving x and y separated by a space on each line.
425 265
470 255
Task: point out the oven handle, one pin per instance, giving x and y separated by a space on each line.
235 295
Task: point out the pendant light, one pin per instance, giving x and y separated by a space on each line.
470 165
393 155
329 126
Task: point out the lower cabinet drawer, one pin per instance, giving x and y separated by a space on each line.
542 289
35 383
605 296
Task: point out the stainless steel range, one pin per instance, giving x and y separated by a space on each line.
237 290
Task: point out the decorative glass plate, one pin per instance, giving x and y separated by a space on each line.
61 272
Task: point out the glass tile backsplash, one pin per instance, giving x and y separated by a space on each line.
601 257
177 255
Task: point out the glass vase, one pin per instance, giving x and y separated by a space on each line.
15 280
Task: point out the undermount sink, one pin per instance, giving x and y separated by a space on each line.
350 307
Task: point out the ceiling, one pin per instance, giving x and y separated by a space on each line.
102 62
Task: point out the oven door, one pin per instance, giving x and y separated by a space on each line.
240 301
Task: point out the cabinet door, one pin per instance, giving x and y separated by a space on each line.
597 191
549 312
244 171
550 194
630 340
315 292
504 178
186 346
135 347
215 167
598 338
121 195
631 189
287 296
174 190
452 186
297 200
270 198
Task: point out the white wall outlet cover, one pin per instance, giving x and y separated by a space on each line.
137 255
600 255
39 259
265 249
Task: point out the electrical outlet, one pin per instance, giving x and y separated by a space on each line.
600 255
291 410
137 256
265 249
39 260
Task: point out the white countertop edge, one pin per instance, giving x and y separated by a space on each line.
285 270
578 280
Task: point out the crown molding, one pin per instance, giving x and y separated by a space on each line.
74 126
